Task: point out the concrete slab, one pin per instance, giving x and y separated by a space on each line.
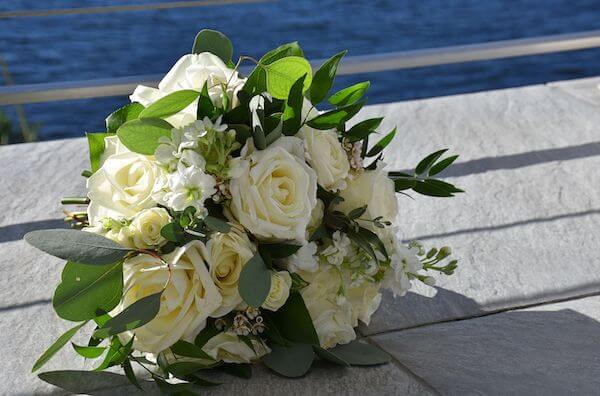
548 350
586 89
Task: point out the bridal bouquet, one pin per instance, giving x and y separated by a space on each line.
230 221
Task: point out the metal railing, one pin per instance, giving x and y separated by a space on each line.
35 93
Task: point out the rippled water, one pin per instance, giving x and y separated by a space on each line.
64 48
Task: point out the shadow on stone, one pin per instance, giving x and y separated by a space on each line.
14 232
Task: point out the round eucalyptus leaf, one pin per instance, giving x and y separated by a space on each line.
290 361
255 281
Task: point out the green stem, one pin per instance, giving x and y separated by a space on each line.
75 201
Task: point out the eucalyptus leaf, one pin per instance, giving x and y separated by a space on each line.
78 246
294 322
215 42
171 104
142 135
130 374
404 184
283 73
443 164
363 129
179 389
290 361
237 370
350 95
88 352
358 353
329 356
96 148
216 224
255 281
356 213
56 346
425 188
292 110
205 334
428 161
120 116
335 118
380 145
323 78
187 349
86 289
84 382
117 353
137 314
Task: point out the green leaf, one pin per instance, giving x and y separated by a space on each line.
171 104
84 382
117 353
255 282
78 246
294 323
216 224
86 289
380 145
363 129
350 95
183 369
96 148
206 108
323 78
283 73
290 361
180 389
357 353
280 250
428 161
130 374
363 243
443 164
137 314
329 356
356 213
56 346
425 188
119 117
172 232
142 135
206 334
404 184
88 352
334 118
257 80
443 185
237 370
215 42
187 349
292 110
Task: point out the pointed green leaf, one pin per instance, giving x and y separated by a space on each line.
206 108
255 282
119 117
83 382
380 145
215 42
58 344
404 184
136 315
350 95
356 213
283 73
323 78
216 224
363 129
334 118
88 352
329 356
292 110
87 289
171 104
431 190
358 353
428 161
290 361
78 246
237 370
443 164
142 135
187 349
96 148
130 374
294 322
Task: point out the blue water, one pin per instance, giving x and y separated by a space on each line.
65 48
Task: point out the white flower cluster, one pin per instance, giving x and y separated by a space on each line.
268 196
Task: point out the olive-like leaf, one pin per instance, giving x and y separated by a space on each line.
56 346
208 40
171 104
187 349
77 246
336 117
350 95
323 78
88 352
96 148
290 361
294 322
137 314
142 135
380 145
424 165
443 164
87 289
84 382
255 281
363 129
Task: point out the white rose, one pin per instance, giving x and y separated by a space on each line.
325 154
374 189
229 253
146 225
304 259
189 298
122 187
230 349
281 282
274 196
192 71
332 321
364 299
